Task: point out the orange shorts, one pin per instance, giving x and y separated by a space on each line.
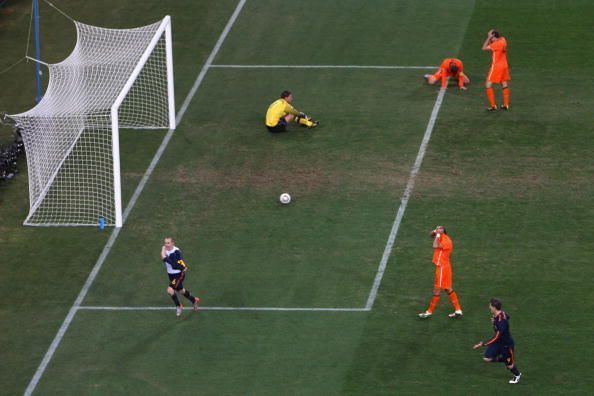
498 74
443 277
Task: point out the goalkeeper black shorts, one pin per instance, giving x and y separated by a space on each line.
280 127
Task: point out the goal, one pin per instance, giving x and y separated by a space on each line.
114 78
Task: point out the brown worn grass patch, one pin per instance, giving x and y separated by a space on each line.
308 177
522 179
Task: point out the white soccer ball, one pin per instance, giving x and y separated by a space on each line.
285 198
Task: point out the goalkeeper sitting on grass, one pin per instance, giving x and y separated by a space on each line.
281 112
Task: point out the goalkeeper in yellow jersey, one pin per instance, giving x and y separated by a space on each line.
281 112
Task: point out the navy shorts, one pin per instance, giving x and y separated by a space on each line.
501 354
176 281
280 127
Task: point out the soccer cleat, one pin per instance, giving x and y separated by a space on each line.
494 108
456 314
178 310
313 124
515 379
196 303
425 315
503 107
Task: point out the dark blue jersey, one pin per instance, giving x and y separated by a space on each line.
502 335
174 261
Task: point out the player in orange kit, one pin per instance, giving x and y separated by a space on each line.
450 67
442 248
499 71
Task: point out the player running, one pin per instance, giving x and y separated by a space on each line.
499 71
281 112
442 249
176 270
450 67
500 348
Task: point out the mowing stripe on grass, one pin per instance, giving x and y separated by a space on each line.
171 308
320 67
115 233
404 200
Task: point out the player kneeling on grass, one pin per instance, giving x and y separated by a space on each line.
500 348
281 112
176 270
450 67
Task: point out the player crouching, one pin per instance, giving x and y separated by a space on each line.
450 67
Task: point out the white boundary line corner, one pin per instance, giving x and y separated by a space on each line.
404 200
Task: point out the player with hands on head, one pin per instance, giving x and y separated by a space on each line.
500 348
499 71
442 249
450 67
176 270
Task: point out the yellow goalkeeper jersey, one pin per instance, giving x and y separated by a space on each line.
279 108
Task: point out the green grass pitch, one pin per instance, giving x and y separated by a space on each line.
513 188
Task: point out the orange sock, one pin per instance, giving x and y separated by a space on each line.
490 96
454 300
506 93
433 304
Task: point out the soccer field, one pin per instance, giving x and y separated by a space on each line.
319 297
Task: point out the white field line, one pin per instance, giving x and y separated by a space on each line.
283 309
387 250
320 67
116 231
404 200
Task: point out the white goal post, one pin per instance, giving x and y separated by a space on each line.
114 78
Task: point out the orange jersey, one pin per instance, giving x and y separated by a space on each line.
441 255
445 65
444 71
499 48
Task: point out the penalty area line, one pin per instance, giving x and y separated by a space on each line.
282 309
386 67
115 233
404 200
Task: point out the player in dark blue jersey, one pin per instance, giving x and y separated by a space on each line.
500 348
176 270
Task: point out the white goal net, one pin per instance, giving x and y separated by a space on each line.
114 78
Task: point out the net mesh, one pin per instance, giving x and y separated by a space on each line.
68 135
